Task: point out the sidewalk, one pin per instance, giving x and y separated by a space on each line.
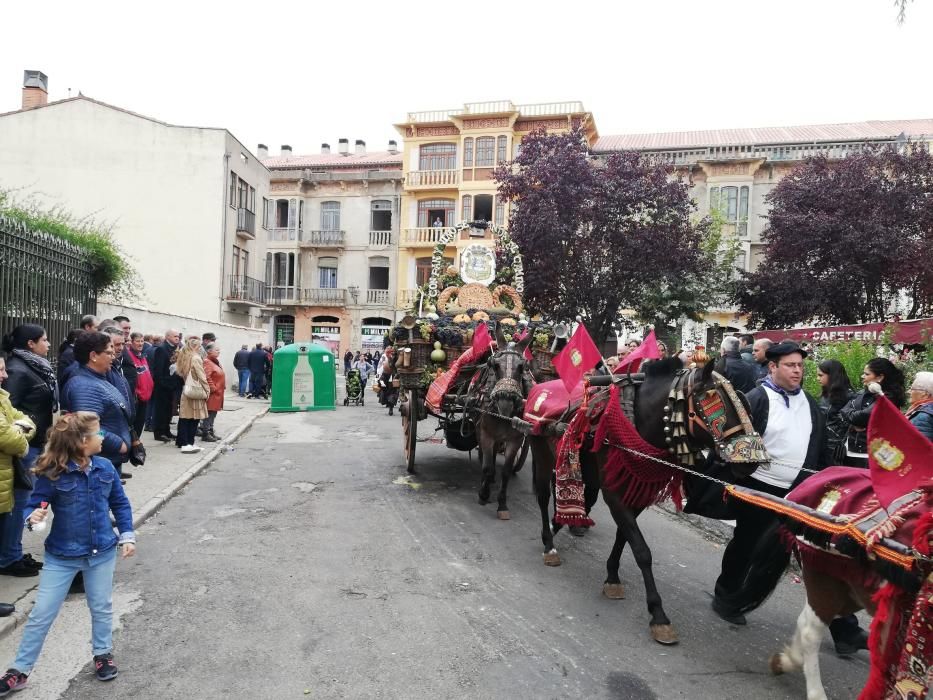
167 471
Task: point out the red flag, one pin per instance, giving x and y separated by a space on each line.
648 350
481 340
899 456
580 355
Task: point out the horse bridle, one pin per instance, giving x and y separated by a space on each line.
508 387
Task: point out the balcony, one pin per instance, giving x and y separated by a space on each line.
380 238
284 235
432 179
422 236
282 296
408 298
323 239
377 297
324 297
245 291
245 223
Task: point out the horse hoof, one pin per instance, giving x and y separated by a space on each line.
614 591
776 665
483 501
664 634
552 558
503 515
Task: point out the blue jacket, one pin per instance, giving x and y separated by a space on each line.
257 362
89 391
81 503
922 420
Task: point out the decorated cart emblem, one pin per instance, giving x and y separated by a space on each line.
478 264
714 411
540 401
829 501
886 455
576 358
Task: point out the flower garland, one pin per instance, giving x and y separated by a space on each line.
503 242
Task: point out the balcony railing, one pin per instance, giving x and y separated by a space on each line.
246 289
422 236
432 178
324 297
284 234
407 298
324 239
245 221
377 297
380 238
550 109
771 153
282 296
545 109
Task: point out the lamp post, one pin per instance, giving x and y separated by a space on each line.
354 292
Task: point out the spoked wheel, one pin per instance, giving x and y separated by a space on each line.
410 428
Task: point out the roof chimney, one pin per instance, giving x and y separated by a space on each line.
393 147
35 89
343 147
262 151
325 149
285 151
360 147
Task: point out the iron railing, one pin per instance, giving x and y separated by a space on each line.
246 221
248 289
43 280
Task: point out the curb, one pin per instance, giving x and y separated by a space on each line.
25 602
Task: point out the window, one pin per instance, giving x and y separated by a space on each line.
378 272
266 214
423 269
502 145
483 207
468 153
485 152
283 269
438 156
431 211
330 216
252 200
240 261
467 208
236 261
231 197
732 202
500 211
327 273
381 219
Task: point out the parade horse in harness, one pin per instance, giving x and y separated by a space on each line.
669 414
500 398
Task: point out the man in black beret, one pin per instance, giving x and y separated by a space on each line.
791 425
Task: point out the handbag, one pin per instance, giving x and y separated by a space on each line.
193 389
137 451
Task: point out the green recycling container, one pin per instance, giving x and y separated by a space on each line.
304 378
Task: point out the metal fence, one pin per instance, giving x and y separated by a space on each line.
43 280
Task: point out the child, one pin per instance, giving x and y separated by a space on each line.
82 489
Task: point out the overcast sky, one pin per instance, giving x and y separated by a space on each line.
306 72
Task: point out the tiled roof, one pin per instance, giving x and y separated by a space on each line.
334 160
820 133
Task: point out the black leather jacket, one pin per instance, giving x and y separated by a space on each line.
836 429
856 414
31 395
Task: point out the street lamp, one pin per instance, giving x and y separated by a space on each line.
354 292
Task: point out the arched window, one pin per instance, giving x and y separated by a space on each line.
485 152
502 149
330 216
467 209
432 211
327 273
438 156
468 153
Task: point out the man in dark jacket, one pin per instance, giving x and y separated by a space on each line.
760 355
746 342
165 384
241 365
258 359
734 368
791 425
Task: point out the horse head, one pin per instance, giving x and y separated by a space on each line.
508 376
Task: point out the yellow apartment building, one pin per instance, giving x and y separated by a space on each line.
448 161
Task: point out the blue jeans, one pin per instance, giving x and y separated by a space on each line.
54 582
242 381
11 535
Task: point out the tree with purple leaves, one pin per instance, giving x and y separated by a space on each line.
601 236
848 241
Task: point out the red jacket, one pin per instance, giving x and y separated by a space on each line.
217 381
144 381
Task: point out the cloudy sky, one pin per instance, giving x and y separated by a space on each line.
306 72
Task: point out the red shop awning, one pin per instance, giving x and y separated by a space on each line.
916 332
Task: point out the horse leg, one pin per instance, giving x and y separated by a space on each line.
662 630
488 447
508 464
542 468
613 588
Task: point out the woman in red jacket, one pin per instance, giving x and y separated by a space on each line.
217 381
144 382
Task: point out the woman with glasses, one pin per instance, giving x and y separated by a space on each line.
88 389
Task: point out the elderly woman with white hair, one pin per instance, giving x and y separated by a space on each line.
920 412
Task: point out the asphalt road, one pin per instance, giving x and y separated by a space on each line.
305 564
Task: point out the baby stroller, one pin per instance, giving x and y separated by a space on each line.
354 389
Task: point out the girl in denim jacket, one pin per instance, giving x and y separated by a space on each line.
82 489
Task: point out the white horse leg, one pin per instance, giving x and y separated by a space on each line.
804 650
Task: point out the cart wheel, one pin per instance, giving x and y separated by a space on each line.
522 456
410 429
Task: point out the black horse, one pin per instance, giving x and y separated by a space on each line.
502 397
667 402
